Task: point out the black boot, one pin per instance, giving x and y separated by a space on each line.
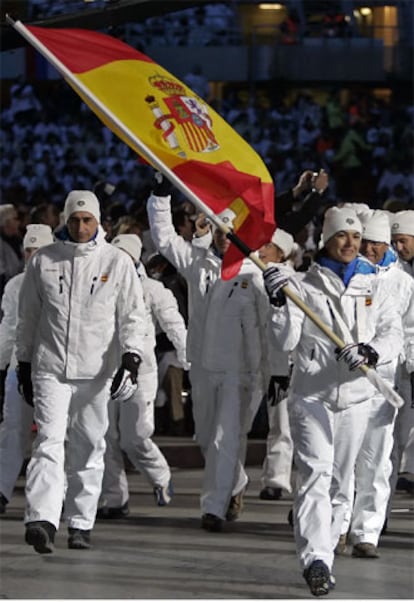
79 539
41 535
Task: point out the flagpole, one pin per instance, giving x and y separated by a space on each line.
372 376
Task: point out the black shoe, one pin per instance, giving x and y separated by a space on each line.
319 578
3 503
112 513
41 535
79 539
405 482
270 493
290 517
211 522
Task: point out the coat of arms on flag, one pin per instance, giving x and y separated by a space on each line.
187 119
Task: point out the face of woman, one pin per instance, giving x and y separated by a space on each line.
344 246
270 253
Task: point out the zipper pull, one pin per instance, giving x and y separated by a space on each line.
94 279
232 289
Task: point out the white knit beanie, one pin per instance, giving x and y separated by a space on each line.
82 200
377 227
337 219
131 243
284 241
403 222
362 210
37 235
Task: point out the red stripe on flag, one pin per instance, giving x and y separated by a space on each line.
70 45
217 186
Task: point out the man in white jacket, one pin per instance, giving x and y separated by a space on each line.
402 231
131 421
277 465
15 430
330 398
369 496
224 346
80 301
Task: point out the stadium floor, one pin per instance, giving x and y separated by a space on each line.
162 553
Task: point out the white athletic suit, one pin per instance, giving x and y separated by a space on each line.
403 450
15 430
131 422
224 348
79 302
328 402
277 465
373 465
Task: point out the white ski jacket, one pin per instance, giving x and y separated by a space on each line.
77 303
370 316
401 287
235 324
8 324
162 309
199 266
226 317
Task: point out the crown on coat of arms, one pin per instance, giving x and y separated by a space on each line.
168 86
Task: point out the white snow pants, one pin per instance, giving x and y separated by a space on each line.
131 426
72 419
371 485
326 444
402 456
224 406
15 435
277 465
403 453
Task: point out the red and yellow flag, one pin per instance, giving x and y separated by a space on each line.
180 129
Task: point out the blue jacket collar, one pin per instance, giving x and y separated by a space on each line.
346 271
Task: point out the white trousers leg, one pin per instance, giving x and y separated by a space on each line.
15 435
372 473
114 493
402 452
350 427
405 428
131 428
277 465
241 479
78 408
320 437
203 407
230 398
136 423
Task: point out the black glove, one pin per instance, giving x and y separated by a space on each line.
161 186
130 363
24 379
276 391
274 282
356 355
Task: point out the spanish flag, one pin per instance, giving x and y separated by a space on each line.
178 127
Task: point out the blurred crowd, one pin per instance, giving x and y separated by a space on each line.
364 143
